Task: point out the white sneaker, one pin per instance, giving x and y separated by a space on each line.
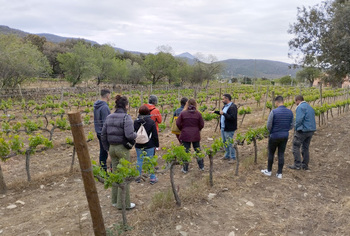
132 205
183 171
266 172
279 176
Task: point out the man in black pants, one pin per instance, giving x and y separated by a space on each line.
279 123
101 111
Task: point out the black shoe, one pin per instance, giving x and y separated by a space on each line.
294 167
305 168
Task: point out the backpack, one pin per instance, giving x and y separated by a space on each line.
174 128
142 136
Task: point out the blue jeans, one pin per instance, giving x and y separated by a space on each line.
103 154
229 150
140 155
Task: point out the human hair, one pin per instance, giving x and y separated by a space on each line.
227 96
153 99
121 102
191 103
183 101
299 98
279 99
144 111
105 92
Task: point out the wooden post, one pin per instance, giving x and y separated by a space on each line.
80 145
267 94
3 188
320 83
20 90
273 99
219 99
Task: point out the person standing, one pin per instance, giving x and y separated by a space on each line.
155 114
101 111
305 126
117 131
191 122
177 113
228 126
147 149
279 123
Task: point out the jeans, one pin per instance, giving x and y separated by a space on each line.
118 152
281 144
103 154
301 139
140 155
196 147
229 150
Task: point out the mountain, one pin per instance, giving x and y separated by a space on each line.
256 68
59 39
186 55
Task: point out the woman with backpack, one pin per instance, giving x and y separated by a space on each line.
147 140
117 138
191 122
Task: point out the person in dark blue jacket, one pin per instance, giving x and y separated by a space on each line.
279 123
101 111
305 126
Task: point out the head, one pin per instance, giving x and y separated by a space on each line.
278 101
153 99
183 101
191 105
226 98
105 94
298 99
144 111
121 102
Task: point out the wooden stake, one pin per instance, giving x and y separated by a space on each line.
80 145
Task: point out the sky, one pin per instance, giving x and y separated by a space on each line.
227 29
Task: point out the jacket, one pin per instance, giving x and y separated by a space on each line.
113 131
230 118
279 123
150 127
101 111
178 111
155 114
190 122
305 118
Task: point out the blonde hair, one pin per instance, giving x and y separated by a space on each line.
190 102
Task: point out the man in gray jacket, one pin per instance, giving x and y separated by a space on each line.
305 126
101 111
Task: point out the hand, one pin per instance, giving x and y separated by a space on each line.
211 112
157 148
221 112
109 160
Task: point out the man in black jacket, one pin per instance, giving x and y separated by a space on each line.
228 126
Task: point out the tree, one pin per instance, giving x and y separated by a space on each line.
322 38
285 80
158 66
20 61
120 73
105 62
79 64
36 40
51 50
308 74
206 68
136 73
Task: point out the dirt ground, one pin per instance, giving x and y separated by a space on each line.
314 202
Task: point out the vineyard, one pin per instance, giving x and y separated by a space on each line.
38 159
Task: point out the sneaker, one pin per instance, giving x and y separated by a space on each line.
294 167
153 181
279 176
138 180
305 168
232 161
201 169
183 171
132 206
225 158
266 172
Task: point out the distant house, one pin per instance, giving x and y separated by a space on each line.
345 84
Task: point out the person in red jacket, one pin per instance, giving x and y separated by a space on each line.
155 114
191 122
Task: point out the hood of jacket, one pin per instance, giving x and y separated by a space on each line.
98 104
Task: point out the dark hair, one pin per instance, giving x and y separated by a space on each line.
143 110
104 92
153 99
192 103
183 101
227 96
279 99
121 102
299 98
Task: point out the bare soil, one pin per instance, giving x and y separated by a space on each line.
314 202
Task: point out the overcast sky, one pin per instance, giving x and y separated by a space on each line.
239 29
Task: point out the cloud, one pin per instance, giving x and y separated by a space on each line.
225 28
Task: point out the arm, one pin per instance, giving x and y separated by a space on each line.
179 122
155 135
231 113
217 112
158 116
129 129
291 122
201 121
104 113
299 118
270 121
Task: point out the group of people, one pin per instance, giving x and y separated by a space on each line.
117 132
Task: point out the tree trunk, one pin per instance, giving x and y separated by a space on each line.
255 151
235 146
28 165
3 188
211 161
177 198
